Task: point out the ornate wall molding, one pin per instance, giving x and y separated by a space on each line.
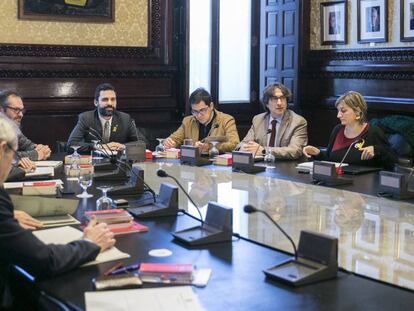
370 75
152 51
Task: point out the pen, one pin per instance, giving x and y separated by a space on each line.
114 268
125 269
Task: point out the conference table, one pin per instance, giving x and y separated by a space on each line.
376 240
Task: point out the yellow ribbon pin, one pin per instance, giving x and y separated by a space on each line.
360 145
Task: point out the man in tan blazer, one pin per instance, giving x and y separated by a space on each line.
279 128
205 122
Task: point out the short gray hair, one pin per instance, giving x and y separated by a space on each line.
8 130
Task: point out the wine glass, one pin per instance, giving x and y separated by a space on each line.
104 202
85 181
213 152
160 147
75 158
269 158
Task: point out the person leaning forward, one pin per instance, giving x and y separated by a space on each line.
205 122
278 128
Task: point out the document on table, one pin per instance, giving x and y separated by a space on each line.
19 184
42 171
48 163
155 299
64 235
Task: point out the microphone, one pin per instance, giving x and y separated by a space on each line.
96 135
249 209
161 173
135 129
339 168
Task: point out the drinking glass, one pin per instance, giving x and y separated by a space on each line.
75 158
160 147
104 202
96 156
269 158
213 152
85 181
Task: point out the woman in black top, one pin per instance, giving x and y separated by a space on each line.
367 144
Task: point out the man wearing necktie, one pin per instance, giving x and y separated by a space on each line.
114 128
279 128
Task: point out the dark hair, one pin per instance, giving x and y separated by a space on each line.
4 95
269 91
103 87
199 95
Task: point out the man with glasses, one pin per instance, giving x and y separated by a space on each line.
11 105
278 128
205 122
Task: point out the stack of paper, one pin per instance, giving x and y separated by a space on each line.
42 171
64 235
155 299
53 164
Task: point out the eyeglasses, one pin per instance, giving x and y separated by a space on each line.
201 111
16 155
276 98
17 110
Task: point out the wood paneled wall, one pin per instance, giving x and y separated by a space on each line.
58 82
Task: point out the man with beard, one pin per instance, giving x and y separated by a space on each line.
113 127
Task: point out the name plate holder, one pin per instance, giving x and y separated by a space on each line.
190 155
218 227
325 173
166 204
394 185
135 185
135 152
244 162
317 261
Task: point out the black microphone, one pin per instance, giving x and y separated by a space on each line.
249 209
135 128
97 134
346 154
162 173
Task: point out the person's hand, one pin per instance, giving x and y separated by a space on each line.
113 146
43 152
367 153
310 151
252 147
26 164
169 143
99 234
204 147
26 221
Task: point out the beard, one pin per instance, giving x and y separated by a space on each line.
105 112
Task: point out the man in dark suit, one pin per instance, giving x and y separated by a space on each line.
20 247
113 127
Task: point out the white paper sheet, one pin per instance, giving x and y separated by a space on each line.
40 171
155 299
64 235
48 163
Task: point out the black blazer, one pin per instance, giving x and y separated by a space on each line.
20 247
123 130
374 136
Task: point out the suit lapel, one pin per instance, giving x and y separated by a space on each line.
262 133
97 123
114 126
282 128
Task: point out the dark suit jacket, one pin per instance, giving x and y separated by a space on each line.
122 130
20 247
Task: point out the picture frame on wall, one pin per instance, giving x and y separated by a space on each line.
407 20
372 20
94 11
333 22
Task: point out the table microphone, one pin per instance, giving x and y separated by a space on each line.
339 168
249 209
162 173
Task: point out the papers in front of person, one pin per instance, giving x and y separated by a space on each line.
53 164
64 235
19 184
154 299
308 166
42 171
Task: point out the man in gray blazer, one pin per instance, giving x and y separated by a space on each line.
278 128
114 128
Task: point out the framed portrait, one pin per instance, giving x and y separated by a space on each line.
405 243
368 237
333 22
96 11
372 21
366 266
407 20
